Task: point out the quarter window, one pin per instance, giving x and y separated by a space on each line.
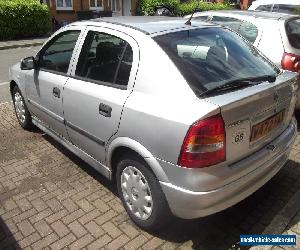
264 7
249 31
64 4
57 55
229 22
201 18
286 8
105 58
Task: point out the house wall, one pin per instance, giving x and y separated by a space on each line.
78 5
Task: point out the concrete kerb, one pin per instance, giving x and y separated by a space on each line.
13 46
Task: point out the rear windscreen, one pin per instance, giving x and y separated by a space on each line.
293 32
208 57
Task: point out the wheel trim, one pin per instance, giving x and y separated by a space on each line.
136 193
19 107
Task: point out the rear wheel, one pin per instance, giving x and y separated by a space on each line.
22 113
141 194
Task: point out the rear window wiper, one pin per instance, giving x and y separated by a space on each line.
240 83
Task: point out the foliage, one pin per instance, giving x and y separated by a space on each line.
189 7
147 7
23 18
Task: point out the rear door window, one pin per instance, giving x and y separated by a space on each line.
293 32
105 59
266 7
249 31
286 8
231 23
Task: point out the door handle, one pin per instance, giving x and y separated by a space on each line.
56 92
105 110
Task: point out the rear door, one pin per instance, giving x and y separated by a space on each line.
100 83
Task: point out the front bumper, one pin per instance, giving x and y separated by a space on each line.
189 204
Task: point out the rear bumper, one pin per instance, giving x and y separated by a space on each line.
189 204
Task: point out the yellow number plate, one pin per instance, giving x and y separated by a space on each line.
263 128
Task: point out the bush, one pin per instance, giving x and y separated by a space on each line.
147 7
189 7
23 18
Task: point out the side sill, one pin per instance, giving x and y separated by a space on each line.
99 167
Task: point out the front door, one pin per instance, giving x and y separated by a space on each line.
126 7
95 95
45 84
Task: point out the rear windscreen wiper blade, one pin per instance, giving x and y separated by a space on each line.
240 83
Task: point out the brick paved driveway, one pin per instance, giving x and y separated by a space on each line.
51 199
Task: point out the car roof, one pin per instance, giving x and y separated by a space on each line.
255 14
149 24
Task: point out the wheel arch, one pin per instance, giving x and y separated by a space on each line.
12 84
124 145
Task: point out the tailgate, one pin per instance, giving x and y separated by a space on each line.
256 115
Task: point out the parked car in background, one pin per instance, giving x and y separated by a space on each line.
277 35
282 6
190 127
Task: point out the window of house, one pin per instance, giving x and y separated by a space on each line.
64 4
105 58
96 5
115 5
57 55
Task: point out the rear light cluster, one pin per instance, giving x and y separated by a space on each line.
290 62
204 144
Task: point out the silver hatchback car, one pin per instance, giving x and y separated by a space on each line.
188 119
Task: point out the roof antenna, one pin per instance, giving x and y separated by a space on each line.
188 22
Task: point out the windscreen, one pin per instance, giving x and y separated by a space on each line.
210 57
293 32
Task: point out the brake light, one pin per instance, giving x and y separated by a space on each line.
204 144
291 62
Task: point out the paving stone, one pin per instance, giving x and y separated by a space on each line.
26 228
60 228
49 199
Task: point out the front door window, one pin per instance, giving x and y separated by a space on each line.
57 55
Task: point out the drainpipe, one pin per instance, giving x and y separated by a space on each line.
81 5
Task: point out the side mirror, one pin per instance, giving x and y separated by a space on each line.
28 63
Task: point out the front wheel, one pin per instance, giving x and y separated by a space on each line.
141 194
22 113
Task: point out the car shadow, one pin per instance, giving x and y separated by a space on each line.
7 239
221 230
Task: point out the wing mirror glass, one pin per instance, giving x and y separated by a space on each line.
28 63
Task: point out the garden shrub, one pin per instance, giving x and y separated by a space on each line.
147 7
23 18
189 7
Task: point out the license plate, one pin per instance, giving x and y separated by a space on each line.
265 127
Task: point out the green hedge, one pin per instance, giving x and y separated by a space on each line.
147 7
189 7
23 18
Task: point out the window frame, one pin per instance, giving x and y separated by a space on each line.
52 40
96 5
64 7
114 32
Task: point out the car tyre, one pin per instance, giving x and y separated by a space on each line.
141 194
21 110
